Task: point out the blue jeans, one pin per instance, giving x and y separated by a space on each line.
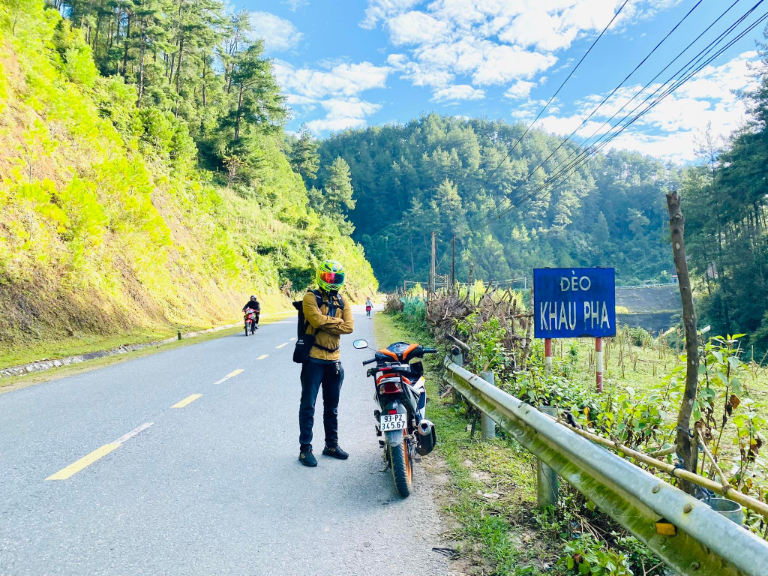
330 377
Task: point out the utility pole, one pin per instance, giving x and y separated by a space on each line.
453 265
432 269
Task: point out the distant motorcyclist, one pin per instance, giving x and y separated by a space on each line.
253 304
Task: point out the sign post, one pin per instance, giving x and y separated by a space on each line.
599 363
575 303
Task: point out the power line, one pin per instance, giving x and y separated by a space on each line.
528 129
627 77
685 74
650 83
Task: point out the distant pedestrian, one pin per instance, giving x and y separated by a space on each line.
368 306
328 318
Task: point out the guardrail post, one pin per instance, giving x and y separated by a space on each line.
487 424
547 483
457 358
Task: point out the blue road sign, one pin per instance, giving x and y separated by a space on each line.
574 302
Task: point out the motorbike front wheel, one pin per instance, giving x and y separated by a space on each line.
246 328
402 471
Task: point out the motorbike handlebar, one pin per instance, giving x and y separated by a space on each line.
371 361
430 351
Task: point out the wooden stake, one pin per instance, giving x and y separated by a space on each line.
686 443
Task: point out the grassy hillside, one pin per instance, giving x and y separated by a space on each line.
106 226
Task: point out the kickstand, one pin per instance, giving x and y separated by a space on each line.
387 467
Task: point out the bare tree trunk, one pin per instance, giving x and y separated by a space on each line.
687 447
178 66
141 61
237 120
126 44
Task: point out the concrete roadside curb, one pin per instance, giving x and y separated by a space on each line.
48 364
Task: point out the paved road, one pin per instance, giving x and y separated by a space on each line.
212 486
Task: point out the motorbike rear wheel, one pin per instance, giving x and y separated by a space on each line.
402 471
246 328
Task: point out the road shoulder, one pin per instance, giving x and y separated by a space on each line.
484 489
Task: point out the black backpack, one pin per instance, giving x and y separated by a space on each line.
305 342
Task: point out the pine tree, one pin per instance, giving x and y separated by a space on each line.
304 156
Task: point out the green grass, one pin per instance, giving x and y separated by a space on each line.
490 495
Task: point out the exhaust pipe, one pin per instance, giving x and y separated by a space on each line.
427 437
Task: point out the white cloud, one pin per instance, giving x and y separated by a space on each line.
294 5
491 42
337 91
416 28
278 33
379 10
418 74
519 90
341 80
669 129
343 114
456 93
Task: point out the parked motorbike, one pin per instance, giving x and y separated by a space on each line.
402 398
251 322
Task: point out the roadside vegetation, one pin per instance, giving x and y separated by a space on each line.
491 496
131 207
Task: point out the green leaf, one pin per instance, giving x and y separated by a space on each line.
591 506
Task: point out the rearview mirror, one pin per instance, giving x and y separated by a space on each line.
360 344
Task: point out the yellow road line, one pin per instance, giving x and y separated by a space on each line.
262 357
235 373
84 462
282 345
292 339
187 400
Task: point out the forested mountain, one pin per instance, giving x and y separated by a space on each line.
726 208
460 177
457 177
141 189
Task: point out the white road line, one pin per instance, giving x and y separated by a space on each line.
292 339
282 345
228 376
262 357
133 433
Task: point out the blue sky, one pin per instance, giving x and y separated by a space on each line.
349 64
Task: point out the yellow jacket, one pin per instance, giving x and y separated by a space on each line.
327 329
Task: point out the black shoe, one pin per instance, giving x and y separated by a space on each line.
335 452
307 458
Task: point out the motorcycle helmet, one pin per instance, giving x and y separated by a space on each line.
330 275
253 298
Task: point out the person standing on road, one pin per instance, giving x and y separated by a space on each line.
368 306
327 322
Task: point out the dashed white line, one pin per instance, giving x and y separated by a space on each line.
228 376
133 433
282 345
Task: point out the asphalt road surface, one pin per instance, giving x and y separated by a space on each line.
177 463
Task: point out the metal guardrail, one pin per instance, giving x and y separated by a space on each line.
705 543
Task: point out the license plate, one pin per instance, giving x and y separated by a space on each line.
392 422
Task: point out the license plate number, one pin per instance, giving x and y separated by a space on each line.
392 422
